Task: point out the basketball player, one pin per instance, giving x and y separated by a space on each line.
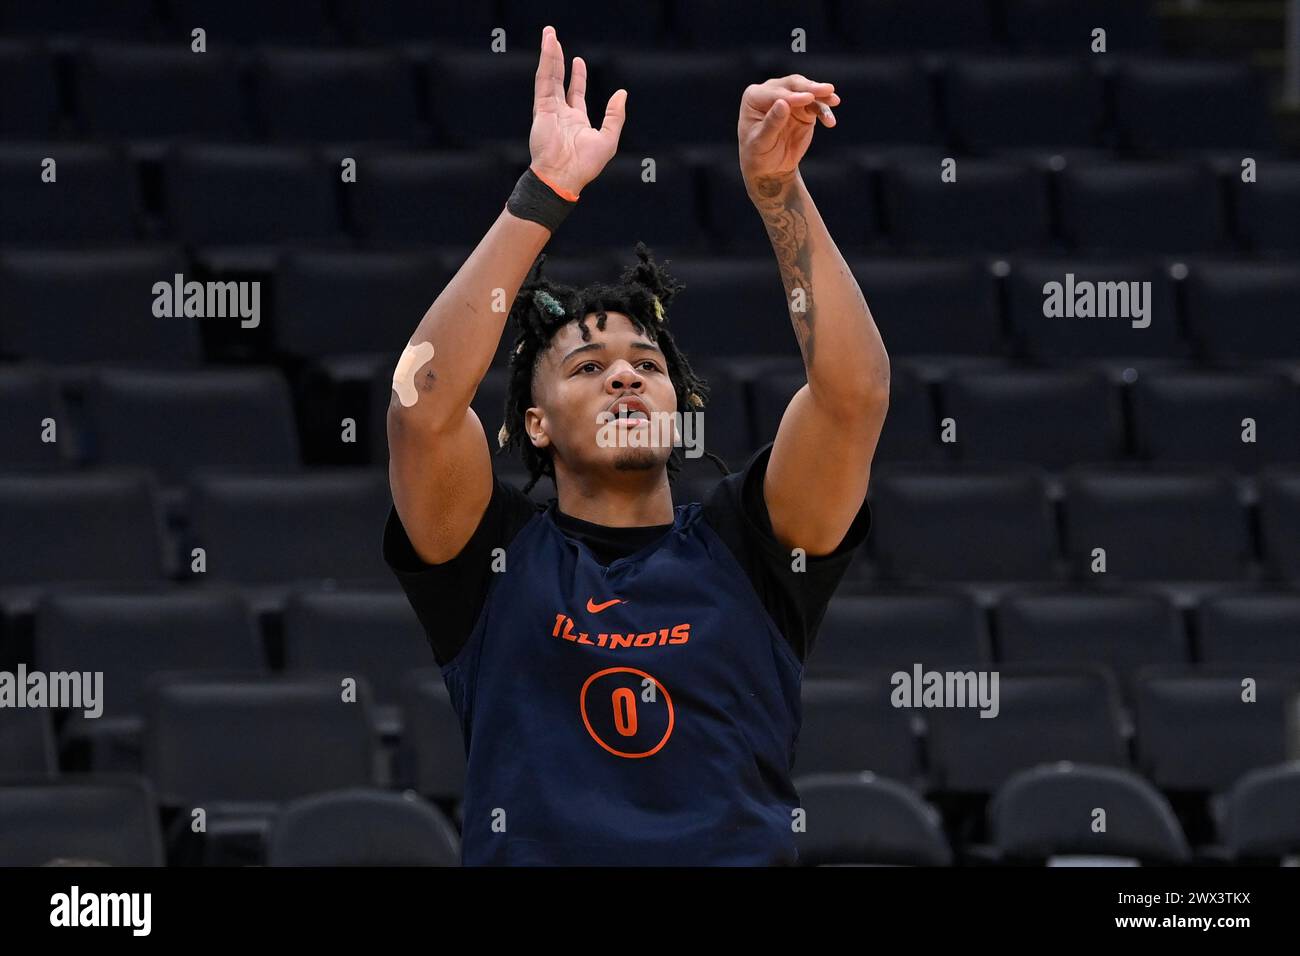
627 672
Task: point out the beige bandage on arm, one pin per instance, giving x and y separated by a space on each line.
413 357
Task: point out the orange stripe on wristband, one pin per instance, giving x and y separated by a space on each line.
558 190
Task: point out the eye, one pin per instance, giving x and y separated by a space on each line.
654 366
586 365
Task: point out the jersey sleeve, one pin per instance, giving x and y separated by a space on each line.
449 597
796 599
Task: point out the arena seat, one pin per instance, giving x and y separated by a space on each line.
371 633
862 819
889 629
111 820
1123 631
1042 718
95 198
224 195
1123 208
1000 103
29 396
27 746
1020 416
340 96
1261 819
159 93
1156 525
947 526
29 101
232 418
360 827
1244 311
1198 417
281 529
849 725
70 307
432 751
1051 811
993 206
93 528
1048 26
129 636
1151 97
1197 733
1261 626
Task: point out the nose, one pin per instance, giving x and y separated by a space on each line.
623 377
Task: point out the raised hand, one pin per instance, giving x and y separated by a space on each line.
776 125
566 150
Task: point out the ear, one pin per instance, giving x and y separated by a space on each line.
535 426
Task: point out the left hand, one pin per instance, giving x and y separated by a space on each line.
777 118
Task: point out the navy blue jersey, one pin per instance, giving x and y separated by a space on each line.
643 711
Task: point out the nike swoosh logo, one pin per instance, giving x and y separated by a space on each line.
595 608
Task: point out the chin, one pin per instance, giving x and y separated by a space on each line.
639 459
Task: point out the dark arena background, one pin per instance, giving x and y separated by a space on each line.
1076 224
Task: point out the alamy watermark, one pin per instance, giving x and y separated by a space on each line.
631 426
922 688
1084 299
209 300
71 690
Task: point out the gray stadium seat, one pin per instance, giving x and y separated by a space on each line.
1258 627
111 820
68 307
991 526
849 725
130 636
361 827
1197 417
285 528
1051 811
1070 715
100 528
374 634
1195 732
863 819
432 751
1156 525
176 422
1263 813
891 629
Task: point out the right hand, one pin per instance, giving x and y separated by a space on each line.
564 146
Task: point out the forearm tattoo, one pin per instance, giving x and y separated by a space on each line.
782 209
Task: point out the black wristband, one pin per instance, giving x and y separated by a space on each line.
533 199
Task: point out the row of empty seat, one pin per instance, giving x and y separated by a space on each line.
245 418
1043 815
131 635
240 747
994 525
213 197
151 94
1027 25
336 303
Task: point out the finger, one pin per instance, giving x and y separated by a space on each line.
615 114
578 85
548 84
821 111
801 83
762 98
770 128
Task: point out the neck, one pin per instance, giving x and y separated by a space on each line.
634 499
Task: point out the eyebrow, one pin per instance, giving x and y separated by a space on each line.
599 346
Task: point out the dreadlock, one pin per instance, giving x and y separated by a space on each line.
543 307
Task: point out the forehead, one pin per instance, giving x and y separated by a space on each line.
618 330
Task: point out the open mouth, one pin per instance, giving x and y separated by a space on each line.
630 410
